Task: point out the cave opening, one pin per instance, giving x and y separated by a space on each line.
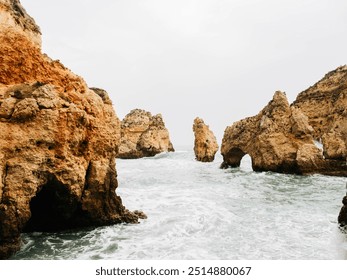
235 156
51 209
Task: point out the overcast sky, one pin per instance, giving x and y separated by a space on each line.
221 60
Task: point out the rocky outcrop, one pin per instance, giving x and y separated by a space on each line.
280 139
325 105
342 218
58 141
14 19
143 135
205 144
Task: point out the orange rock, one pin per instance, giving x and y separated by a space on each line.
58 141
205 144
280 139
325 105
143 135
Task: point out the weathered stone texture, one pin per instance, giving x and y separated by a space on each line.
58 140
143 135
280 139
205 143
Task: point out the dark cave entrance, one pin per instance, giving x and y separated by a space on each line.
235 156
51 209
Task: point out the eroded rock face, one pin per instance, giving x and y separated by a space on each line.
325 105
143 135
279 139
205 144
14 19
58 141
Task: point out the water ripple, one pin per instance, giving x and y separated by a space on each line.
198 211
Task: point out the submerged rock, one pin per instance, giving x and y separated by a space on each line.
143 135
279 139
58 141
205 144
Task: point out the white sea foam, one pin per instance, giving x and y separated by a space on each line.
199 211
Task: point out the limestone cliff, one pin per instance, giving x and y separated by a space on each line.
205 144
278 139
14 19
58 140
325 105
143 135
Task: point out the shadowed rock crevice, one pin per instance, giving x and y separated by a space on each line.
52 208
234 157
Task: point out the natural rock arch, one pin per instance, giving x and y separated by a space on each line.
278 139
233 158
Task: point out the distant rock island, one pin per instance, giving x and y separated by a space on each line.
281 138
205 144
58 141
143 135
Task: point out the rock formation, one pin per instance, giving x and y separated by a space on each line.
205 144
58 140
143 135
325 105
280 139
342 218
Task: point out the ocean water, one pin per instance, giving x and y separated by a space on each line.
199 211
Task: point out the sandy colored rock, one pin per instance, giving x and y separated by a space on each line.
58 141
14 19
20 53
143 135
280 139
205 143
325 105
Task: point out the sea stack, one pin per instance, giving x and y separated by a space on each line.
143 135
58 140
205 144
279 139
